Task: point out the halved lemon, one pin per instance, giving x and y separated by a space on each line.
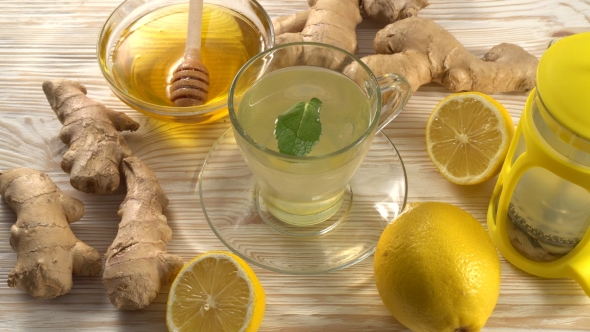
216 291
467 137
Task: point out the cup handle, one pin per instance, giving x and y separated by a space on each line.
397 91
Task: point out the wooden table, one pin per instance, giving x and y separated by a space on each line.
46 39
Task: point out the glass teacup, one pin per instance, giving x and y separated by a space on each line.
306 190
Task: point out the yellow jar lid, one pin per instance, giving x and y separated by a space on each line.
563 82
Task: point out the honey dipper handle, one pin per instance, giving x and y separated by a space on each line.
193 35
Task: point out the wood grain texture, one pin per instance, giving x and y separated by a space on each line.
46 39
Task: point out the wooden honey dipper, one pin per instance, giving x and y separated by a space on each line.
190 80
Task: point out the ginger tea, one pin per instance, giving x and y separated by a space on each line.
153 46
296 192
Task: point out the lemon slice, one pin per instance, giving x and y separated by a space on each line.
467 137
216 291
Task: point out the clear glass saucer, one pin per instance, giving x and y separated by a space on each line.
231 204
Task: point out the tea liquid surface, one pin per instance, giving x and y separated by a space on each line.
345 113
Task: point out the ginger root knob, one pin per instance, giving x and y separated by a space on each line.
91 130
48 253
423 52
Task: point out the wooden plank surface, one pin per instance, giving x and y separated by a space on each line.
45 39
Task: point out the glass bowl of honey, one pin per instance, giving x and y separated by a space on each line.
143 41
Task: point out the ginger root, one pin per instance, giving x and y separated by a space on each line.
136 263
423 52
390 11
330 22
91 130
334 22
47 250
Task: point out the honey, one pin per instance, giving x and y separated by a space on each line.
151 48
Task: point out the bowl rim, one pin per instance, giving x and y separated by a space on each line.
160 110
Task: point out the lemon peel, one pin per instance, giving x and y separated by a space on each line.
436 269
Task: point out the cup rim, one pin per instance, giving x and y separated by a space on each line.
160 110
236 124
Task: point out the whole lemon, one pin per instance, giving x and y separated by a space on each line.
436 269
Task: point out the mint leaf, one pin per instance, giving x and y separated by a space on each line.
298 130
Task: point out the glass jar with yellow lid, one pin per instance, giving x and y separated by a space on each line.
539 213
